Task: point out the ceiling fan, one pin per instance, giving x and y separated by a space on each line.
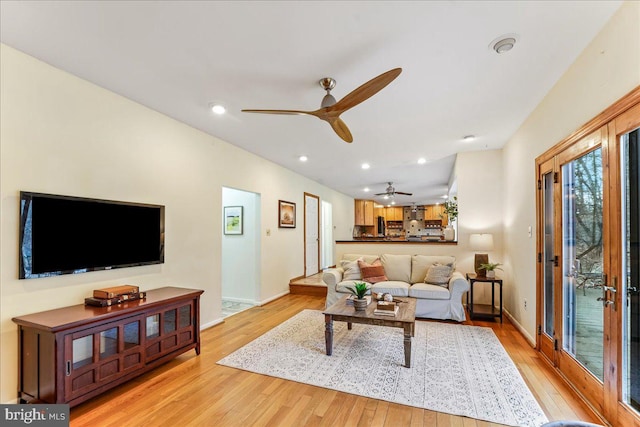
330 110
391 192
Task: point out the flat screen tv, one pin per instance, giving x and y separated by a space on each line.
68 235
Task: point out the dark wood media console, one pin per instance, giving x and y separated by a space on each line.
71 354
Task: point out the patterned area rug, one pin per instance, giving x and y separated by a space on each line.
457 369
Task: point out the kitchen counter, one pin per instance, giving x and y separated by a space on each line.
397 240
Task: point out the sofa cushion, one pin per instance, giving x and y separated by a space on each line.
427 291
421 263
439 274
366 258
372 273
351 270
397 267
395 288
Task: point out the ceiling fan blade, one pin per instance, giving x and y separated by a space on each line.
341 129
381 194
288 112
365 91
406 194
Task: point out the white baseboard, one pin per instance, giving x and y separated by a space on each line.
520 329
273 298
210 324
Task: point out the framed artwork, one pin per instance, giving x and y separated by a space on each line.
286 214
233 220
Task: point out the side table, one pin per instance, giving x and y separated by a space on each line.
484 310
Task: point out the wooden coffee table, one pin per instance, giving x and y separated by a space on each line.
405 319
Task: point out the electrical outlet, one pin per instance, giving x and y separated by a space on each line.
268 232
525 303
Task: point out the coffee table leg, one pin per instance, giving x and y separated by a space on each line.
407 345
328 333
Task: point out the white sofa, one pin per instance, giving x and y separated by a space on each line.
406 274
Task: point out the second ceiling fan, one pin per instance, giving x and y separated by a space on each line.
330 110
391 192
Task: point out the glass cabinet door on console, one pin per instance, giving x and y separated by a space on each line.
168 329
94 356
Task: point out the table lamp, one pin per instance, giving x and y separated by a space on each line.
481 242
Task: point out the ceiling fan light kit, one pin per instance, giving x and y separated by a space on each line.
330 110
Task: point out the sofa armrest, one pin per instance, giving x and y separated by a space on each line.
332 276
458 285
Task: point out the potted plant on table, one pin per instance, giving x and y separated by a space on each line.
359 289
451 210
490 268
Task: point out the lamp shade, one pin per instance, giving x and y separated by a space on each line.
481 242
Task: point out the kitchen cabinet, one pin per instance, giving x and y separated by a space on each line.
364 212
71 354
428 212
393 213
438 213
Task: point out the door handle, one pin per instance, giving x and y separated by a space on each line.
605 302
613 289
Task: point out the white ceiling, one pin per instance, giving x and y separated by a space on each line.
178 57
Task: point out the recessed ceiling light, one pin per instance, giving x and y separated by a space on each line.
422 161
366 189
445 196
468 138
218 109
504 43
303 158
365 166
393 202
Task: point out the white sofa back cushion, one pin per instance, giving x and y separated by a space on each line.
421 263
397 267
366 258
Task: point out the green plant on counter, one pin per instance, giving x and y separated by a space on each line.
359 289
451 208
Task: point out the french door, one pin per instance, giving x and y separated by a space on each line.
588 270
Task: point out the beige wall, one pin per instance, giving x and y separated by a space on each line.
604 72
63 135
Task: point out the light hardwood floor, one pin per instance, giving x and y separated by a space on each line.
193 391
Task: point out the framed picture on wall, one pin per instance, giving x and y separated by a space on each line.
233 220
286 214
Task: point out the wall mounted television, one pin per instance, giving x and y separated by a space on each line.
69 235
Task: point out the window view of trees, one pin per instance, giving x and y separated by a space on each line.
587 221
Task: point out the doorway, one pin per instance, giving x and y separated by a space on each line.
241 254
588 273
311 234
326 233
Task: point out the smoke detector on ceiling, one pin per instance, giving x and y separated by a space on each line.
503 43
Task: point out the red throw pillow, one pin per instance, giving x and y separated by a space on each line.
372 273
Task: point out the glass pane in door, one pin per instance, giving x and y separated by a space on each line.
108 342
582 263
631 268
548 254
82 351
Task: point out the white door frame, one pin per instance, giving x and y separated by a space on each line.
307 236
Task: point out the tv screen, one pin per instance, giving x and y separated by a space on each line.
67 235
